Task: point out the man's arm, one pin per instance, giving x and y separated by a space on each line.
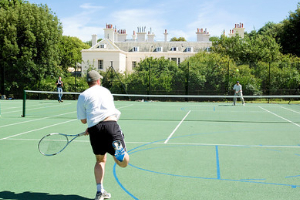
83 121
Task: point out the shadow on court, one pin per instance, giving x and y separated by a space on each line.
38 196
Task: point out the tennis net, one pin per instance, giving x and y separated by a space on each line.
45 103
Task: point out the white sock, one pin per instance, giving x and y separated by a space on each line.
100 187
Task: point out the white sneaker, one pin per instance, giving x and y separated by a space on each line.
99 196
102 196
106 195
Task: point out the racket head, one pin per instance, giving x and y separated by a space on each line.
53 144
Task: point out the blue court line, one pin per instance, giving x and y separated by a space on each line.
134 150
208 178
292 176
218 163
120 184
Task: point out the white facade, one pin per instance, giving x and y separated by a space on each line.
124 54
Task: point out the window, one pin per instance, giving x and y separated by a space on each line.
100 64
159 49
133 64
135 49
174 59
174 49
102 46
189 49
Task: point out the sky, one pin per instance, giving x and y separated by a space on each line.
181 18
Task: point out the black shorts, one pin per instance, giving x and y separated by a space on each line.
103 134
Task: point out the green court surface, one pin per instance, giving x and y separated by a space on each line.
178 150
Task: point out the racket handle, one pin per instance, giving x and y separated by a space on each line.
81 134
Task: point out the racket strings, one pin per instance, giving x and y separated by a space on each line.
53 144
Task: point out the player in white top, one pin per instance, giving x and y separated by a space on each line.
96 107
238 91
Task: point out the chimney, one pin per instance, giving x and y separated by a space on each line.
94 40
150 36
202 35
141 34
166 35
134 36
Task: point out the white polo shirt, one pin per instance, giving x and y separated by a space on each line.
237 87
95 104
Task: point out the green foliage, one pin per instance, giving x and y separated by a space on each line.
178 39
206 73
154 74
29 38
70 51
290 33
250 49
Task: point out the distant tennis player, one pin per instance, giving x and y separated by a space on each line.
59 86
96 107
238 92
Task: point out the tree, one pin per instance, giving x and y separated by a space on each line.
29 39
178 39
154 75
290 34
70 51
228 46
252 48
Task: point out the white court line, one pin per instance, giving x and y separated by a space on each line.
43 107
42 119
280 116
37 129
176 128
236 145
35 120
290 110
125 106
192 144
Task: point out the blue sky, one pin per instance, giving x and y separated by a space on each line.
181 18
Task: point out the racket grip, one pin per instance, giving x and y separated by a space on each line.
81 134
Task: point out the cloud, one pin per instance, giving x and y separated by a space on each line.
130 19
91 7
215 18
83 24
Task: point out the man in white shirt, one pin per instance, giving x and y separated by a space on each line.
238 92
95 107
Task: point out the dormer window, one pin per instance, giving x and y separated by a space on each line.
189 49
174 49
135 49
102 46
159 49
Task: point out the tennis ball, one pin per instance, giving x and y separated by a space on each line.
237 70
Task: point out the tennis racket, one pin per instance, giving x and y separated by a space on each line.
54 143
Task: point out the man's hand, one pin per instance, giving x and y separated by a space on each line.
86 132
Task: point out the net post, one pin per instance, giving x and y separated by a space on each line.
24 103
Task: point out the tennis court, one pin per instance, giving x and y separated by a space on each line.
178 150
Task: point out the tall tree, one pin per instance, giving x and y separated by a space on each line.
70 51
29 38
290 35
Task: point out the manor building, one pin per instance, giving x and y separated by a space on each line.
123 54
